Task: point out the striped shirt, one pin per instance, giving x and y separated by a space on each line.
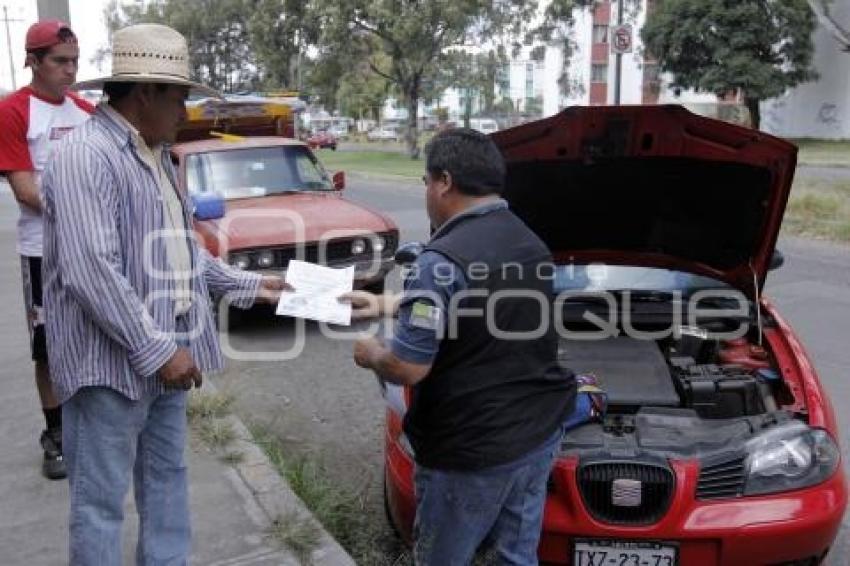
108 285
176 243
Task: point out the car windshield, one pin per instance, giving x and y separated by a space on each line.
602 277
256 172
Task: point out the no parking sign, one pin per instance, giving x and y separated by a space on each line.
621 39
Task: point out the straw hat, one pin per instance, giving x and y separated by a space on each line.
149 53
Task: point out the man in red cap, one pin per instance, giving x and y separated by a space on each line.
34 119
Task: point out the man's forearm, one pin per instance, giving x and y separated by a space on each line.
389 304
25 189
242 287
380 361
371 354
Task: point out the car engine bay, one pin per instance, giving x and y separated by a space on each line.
683 396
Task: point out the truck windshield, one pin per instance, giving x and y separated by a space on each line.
256 172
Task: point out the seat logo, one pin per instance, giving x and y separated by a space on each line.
626 492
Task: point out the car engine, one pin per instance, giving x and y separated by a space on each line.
718 380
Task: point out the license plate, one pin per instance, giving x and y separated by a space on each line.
623 553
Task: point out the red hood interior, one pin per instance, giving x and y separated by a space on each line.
651 185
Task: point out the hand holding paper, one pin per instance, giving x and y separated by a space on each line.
317 291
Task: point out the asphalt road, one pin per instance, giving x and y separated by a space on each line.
321 405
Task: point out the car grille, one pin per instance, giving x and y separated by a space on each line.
596 483
333 252
723 479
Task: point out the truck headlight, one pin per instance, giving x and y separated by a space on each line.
265 259
791 456
358 246
379 243
241 261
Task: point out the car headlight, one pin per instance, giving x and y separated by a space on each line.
265 259
379 243
791 456
358 246
241 261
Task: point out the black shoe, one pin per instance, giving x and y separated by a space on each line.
53 467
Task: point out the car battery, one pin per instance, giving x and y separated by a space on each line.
722 392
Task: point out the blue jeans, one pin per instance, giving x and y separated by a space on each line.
106 437
499 509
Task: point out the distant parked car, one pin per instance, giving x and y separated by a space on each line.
383 133
322 140
484 125
340 132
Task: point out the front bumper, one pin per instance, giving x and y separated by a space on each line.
747 531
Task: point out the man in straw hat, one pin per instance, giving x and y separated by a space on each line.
126 289
34 119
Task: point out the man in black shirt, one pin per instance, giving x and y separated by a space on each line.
476 342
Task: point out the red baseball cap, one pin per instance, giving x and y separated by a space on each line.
46 34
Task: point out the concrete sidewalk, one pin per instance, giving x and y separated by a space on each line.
232 506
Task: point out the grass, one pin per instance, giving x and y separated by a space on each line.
301 536
208 405
819 208
215 433
375 162
204 413
823 152
348 516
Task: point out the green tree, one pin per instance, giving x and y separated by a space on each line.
280 32
361 92
341 76
474 74
758 48
556 29
414 35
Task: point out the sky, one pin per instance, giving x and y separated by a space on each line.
86 21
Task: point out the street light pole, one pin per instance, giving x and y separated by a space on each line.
6 20
619 58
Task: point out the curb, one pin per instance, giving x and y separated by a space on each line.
272 492
825 164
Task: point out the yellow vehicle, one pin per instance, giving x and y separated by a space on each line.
245 115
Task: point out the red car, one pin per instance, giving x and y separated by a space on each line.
322 140
262 201
719 445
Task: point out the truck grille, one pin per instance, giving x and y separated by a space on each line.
334 252
723 479
648 491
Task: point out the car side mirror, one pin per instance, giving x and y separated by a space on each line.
777 260
207 206
339 180
407 253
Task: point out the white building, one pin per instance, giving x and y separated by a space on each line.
818 109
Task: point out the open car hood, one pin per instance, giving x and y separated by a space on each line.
653 186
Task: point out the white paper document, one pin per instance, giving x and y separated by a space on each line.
317 290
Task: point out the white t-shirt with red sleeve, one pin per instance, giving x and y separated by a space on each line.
30 128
